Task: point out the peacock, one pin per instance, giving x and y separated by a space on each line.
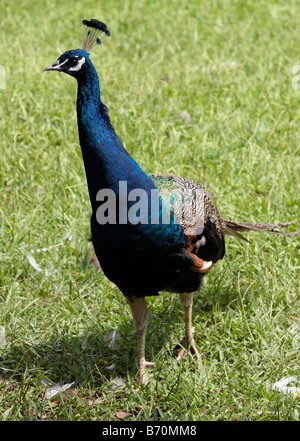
150 232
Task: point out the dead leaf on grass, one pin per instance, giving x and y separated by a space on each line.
122 415
95 402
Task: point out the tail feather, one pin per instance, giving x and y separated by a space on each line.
233 228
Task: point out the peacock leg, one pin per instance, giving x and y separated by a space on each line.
140 320
187 342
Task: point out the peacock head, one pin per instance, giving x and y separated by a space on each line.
76 62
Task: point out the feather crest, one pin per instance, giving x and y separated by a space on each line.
92 29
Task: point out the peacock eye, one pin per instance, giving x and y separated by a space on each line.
73 62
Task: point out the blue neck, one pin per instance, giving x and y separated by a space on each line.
106 160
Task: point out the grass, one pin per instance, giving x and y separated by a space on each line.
228 64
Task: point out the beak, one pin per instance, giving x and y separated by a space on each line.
53 66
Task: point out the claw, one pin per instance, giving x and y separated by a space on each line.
148 363
187 346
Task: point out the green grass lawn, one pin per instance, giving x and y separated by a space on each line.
229 65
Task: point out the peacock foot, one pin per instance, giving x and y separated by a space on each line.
142 377
187 346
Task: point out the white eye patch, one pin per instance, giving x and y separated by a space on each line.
78 66
61 64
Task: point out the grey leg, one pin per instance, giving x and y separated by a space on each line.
140 320
187 342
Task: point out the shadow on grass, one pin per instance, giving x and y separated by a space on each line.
86 358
